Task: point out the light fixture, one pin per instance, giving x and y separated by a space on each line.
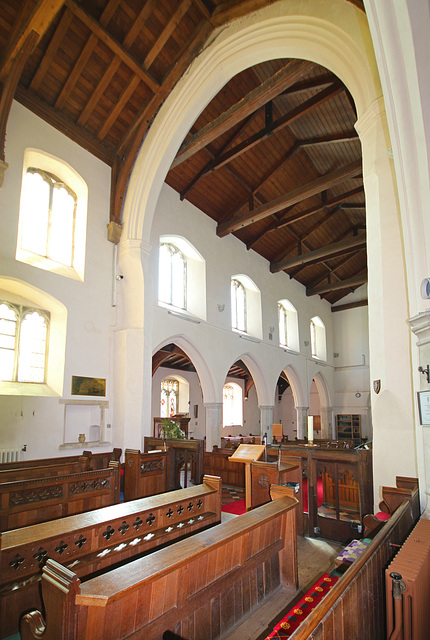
221 307
306 343
358 394
425 372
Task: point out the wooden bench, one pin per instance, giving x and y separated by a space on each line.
96 460
145 474
44 471
217 463
27 502
355 606
91 542
199 587
392 497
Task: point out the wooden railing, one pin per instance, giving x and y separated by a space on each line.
95 541
206 583
355 606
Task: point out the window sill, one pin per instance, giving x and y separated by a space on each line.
26 389
84 445
180 313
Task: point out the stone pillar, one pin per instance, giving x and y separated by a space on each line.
213 419
302 422
266 422
389 338
327 428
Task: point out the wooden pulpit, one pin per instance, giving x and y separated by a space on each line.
247 453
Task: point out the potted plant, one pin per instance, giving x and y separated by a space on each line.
170 429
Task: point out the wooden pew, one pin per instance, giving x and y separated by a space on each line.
197 588
96 460
27 502
186 455
145 474
44 471
217 463
355 606
91 542
392 497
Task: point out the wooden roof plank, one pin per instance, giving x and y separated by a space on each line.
36 20
115 46
166 33
297 195
100 89
73 77
251 102
125 97
52 49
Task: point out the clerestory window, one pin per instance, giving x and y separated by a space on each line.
172 284
238 306
23 343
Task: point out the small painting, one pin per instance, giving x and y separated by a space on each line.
88 386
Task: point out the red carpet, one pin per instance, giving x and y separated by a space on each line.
237 507
305 493
289 623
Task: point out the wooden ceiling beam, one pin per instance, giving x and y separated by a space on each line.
332 270
52 49
161 356
350 305
257 98
285 220
349 283
33 18
101 33
279 124
166 33
297 195
331 250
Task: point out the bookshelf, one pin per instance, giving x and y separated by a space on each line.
348 427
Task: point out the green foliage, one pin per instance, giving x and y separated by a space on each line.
170 429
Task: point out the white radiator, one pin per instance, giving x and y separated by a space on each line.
9 455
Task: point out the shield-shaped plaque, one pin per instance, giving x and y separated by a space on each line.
376 386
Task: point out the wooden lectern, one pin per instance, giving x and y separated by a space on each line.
247 453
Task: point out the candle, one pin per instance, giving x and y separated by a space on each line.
310 428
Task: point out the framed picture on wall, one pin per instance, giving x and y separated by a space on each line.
82 386
424 406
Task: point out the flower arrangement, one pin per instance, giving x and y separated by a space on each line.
170 429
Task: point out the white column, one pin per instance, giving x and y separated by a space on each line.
326 414
266 421
302 422
213 416
420 326
389 339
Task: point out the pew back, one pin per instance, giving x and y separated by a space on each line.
96 460
145 474
198 587
90 542
44 471
26 502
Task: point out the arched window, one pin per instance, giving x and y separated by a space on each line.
288 325
238 306
169 398
52 216
318 338
48 208
23 340
172 283
232 405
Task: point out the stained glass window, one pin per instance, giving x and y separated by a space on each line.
169 397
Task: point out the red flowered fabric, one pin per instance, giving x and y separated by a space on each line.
289 623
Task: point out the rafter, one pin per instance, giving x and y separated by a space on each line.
350 305
166 33
331 250
257 98
35 19
279 124
297 195
349 283
115 46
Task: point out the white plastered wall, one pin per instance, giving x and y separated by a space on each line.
336 36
